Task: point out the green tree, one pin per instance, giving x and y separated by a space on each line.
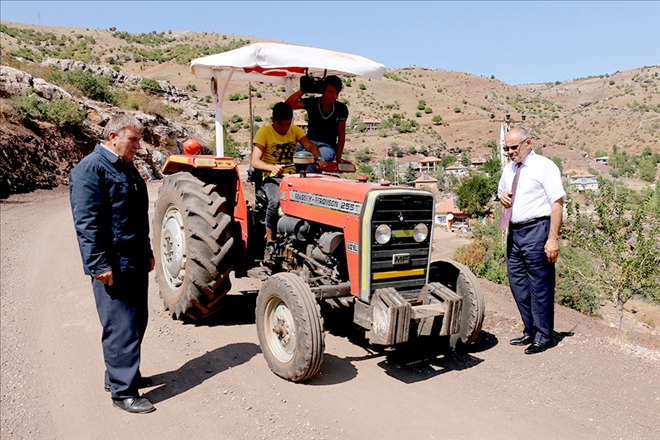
367 170
622 245
410 175
465 159
492 167
475 193
437 119
448 161
363 156
387 168
421 105
647 170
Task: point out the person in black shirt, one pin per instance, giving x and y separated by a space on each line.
327 118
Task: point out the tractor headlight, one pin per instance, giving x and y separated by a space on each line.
420 232
383 234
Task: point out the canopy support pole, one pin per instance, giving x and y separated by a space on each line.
218 98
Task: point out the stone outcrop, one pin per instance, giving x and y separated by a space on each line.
161 137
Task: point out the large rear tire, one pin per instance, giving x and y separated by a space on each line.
461 280
193 246
290 327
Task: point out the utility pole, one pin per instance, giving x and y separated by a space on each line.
505 126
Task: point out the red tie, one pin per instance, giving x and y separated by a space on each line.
506 215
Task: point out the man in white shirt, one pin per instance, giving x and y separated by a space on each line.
534 201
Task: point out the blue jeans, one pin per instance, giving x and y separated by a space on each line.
327 153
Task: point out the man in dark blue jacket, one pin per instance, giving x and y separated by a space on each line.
110 208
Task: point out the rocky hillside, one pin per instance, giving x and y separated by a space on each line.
421 110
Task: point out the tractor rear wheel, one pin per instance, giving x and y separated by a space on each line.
290 327
193 246
461 280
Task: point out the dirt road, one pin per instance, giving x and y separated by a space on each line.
212 381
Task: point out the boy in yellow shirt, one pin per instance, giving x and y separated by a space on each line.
272 154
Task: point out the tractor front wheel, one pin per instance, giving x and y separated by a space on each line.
290 327
461 280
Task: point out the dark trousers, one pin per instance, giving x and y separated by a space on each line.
123 311
532 278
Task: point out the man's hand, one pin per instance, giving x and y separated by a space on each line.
276 170
320 163
505 198
552 249
105 277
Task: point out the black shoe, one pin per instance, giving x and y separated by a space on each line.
137 405
523 340
537 347
143 382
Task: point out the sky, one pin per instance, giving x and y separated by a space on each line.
517 42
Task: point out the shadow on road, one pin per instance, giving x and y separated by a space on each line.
196 371
238 309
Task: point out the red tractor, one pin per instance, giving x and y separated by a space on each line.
363 246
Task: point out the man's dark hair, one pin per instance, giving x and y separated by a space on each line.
282 112
333 81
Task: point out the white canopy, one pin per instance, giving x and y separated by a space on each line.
278 61
275 63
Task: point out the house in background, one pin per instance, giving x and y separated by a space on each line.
457 170
447 213
372 124
602 160
477 162
429 164
582 180
426 181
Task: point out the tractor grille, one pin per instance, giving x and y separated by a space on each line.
401 212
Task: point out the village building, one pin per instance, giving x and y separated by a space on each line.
372 124
447 213
457 170
582 180
430 164
426 181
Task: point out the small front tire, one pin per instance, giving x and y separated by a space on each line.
290 327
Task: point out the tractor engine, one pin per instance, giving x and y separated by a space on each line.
311 250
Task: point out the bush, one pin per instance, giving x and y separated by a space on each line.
437 119
485 255
60 112
235 119
150 84
575 288
258 118
428 110
421 105
363 156
362 86
457 109
96 87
